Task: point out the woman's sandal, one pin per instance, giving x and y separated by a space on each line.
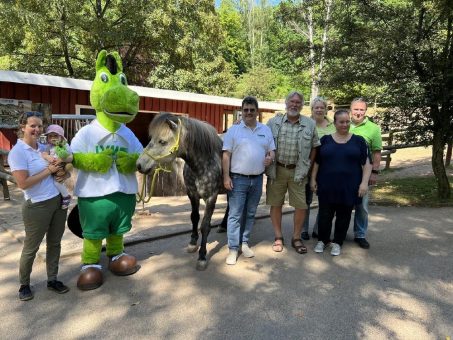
301 249
277 246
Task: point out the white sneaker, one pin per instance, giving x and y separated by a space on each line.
320 246
336 249
246 251
232 257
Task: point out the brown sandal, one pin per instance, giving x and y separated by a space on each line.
278 246
301 249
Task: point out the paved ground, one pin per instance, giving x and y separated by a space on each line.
400 289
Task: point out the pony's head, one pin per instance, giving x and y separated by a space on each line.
109 95
165 137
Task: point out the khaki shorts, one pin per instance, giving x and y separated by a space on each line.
276 189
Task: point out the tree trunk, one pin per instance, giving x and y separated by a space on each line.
437 161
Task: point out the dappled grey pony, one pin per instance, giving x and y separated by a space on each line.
198 144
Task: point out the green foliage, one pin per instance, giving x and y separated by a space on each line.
63 37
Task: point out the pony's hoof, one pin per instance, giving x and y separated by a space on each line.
202 264
192 248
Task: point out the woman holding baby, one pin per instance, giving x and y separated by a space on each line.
42 211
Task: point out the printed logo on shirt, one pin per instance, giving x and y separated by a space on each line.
100 148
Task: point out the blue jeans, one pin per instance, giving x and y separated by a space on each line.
306 225
361 218
243 201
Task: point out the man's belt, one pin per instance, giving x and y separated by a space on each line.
287 166
241 175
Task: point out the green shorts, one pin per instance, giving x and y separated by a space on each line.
284 181
106 215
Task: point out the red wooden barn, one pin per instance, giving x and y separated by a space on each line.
71 96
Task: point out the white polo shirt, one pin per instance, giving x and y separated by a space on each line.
94 138
23 157
248 147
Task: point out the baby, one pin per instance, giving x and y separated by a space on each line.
57 148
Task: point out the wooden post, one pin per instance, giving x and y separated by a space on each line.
4 182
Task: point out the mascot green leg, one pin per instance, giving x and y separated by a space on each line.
115 245
91 251
120 263
91 274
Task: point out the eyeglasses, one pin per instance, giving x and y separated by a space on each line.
249 110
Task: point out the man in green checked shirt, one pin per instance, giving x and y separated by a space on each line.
295 139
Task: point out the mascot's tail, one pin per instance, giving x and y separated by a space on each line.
74 222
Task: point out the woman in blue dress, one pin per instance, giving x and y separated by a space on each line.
340 178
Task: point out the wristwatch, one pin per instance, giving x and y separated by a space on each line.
377 172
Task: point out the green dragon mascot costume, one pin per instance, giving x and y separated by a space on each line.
105 153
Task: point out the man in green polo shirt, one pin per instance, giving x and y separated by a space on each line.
362 126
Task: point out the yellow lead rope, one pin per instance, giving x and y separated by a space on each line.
142 197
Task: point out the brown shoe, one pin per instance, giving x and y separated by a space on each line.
123 264
90 277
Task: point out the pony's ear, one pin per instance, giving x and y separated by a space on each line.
171 124
100 61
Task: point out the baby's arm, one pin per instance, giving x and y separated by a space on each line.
47 157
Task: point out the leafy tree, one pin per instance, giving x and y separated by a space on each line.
405 48
234 46
62 37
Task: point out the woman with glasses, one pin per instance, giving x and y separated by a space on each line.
41 212
324 126
340 178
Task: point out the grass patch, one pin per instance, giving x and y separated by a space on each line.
410 191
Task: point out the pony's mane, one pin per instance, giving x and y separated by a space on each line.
197 136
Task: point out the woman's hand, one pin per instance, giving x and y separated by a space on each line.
313 185
363 189
54 167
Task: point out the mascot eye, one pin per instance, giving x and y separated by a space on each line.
123 79
104 77
163 143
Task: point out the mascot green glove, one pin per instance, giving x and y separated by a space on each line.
105 153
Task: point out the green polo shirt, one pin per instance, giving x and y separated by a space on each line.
328 130
370 131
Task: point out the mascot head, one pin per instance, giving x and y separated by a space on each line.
110 96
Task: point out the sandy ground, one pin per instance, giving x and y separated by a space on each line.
411 162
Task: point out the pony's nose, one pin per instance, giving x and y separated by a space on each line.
139 167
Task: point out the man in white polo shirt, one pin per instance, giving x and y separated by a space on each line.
248 148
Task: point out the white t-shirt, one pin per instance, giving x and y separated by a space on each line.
23 157
248 147
94 138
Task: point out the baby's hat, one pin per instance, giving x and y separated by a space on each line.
55 129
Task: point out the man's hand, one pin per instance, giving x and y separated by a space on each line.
268 159
373 179
227 182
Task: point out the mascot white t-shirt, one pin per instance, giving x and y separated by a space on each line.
94 138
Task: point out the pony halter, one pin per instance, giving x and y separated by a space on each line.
141 197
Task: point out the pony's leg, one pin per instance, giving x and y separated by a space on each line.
195 218
205 228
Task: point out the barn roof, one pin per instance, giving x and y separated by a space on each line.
80 84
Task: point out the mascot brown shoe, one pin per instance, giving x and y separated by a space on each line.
90 277
123 264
